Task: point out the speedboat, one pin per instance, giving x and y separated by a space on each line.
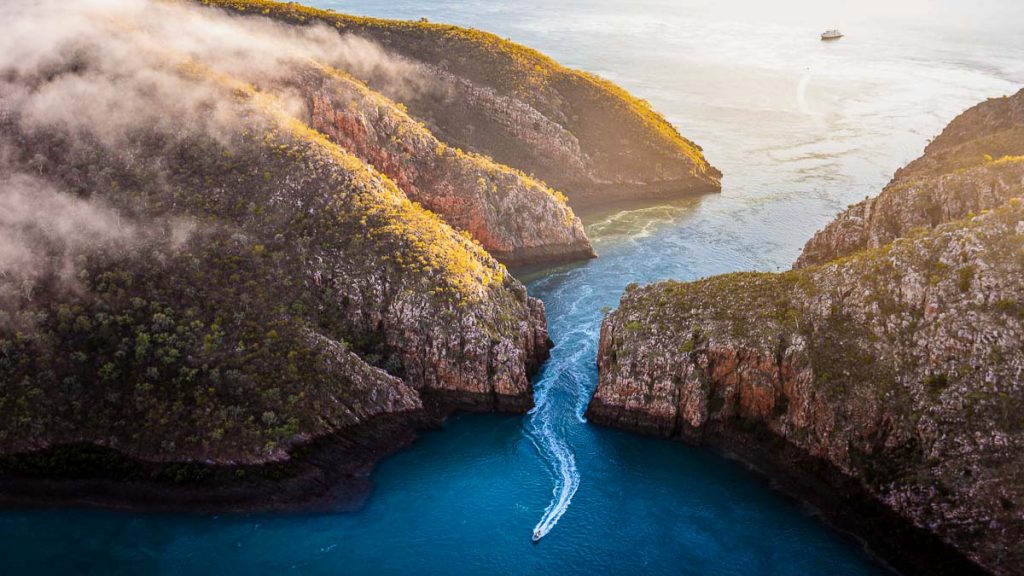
833 34
536 534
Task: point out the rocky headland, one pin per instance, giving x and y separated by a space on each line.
881 379
236 270
976 164
577 132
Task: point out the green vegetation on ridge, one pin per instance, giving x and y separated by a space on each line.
626 139
261 287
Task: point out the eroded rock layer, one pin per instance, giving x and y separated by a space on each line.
517 219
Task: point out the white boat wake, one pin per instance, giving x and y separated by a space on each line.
562 377
562 392
560 460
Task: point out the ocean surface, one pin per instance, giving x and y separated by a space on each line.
800 129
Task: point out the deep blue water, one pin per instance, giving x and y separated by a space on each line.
800 129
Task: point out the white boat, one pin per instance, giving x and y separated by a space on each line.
537 535
833 34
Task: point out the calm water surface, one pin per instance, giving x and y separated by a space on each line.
800 128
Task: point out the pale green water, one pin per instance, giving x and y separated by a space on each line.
800 129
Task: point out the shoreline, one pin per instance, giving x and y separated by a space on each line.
841 503
612 197
332 474
329 474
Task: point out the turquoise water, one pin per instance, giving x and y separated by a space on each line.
800 129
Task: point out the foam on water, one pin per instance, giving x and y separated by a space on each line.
562 463
559 377
564 387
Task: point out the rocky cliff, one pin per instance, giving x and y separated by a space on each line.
196 286
577 132
885 387
976 164
517 219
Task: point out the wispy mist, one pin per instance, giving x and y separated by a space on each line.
106 66
98 72
42 230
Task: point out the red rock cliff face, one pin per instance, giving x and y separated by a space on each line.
883 377
895 366
206 291
899 368
514 217
354 276
897 363
579 133
549 143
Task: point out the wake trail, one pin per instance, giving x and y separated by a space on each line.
801 93
557 454
562 392
561 376
563 491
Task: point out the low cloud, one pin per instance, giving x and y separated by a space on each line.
97 72
107 66
43 232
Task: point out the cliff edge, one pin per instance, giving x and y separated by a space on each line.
883 386
577 132
976 164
